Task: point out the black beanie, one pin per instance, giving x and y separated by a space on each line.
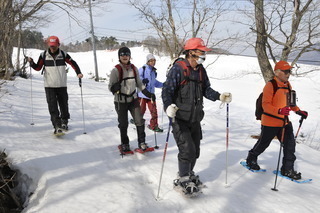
124 50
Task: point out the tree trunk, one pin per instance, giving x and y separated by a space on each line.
261 42
6 36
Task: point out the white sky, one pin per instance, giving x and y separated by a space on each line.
118 19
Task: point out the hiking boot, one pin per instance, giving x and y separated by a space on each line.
196 180
156 128
64 127
125 147
253 164
57 131
143 146
186 184
291 174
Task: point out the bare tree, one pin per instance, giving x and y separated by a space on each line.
174 22
285 30
15 12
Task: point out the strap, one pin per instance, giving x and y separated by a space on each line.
120 71
270 115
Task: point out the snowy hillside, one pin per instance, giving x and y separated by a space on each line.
84 173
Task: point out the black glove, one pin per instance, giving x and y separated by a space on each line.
153 97
149 95
115 87
145 81
303 114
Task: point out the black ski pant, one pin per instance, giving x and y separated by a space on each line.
134 109
289 144
187 136
57 98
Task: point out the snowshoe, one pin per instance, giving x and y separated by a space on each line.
58 132
143 147
186 187
125 149
156 129
301 180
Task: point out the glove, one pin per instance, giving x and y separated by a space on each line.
115 88
172 110
284 111
145 81
226 97
303 114
153 97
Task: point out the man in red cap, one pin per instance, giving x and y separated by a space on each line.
275 121
182 94
53 61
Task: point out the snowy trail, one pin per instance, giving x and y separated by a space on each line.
85 173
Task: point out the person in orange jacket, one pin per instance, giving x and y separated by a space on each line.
275 120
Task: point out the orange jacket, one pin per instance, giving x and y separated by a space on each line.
272 103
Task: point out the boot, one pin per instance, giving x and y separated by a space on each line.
291 174
252 162
186 184
143 146
125 147
64 124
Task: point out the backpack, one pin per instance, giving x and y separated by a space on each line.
259 110
186 71
120 71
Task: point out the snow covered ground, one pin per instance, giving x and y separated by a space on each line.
85 173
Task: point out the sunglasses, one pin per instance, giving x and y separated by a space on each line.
124 54
286 71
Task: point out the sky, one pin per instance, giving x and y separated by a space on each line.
84 173
116 19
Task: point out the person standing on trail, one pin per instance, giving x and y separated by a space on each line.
148 74
182 94
275 121
123 82
53 61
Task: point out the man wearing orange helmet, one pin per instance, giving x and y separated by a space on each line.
53 61
183 91
275 121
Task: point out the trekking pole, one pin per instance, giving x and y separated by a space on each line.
300 121
281 145
155 140
227 142
84 126
164 157
32 123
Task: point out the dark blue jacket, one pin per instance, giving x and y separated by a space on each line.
188 96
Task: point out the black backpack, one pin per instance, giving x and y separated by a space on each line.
259 109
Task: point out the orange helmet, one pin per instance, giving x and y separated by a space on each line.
53 41
195 44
